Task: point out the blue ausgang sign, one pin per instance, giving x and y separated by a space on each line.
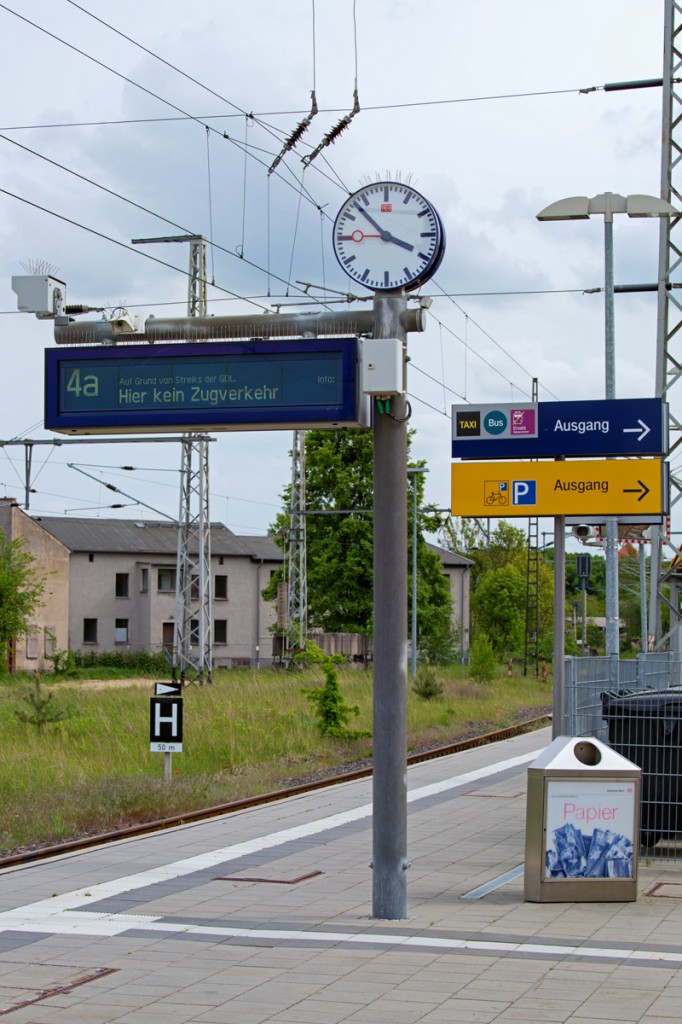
620 426
249 385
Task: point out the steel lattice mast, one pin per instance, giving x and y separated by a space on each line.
192 641
297 578
668 356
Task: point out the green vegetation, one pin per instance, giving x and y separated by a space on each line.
332 712
21 588
246 734
339 544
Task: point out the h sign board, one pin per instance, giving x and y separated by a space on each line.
618 426
165 725
590 487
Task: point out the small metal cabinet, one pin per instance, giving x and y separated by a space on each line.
582 824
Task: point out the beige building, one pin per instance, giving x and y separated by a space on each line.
50 626
122 587
457 571
111 586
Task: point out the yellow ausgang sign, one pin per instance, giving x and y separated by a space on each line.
579 487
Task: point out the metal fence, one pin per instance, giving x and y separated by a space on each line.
635 706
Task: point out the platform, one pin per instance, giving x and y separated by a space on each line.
265 915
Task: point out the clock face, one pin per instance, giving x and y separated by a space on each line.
387 236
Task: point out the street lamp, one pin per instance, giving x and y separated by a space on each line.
581 208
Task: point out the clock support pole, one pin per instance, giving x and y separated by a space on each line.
389 781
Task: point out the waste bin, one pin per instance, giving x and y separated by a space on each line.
581 821
646 728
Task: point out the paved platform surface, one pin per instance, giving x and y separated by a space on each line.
265 915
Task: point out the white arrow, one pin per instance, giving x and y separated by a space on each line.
642 430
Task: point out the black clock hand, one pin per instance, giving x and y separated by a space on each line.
398 241
385 235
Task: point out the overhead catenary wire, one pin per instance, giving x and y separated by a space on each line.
122 245
150 92
147 210
366 108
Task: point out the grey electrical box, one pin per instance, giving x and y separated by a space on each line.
39 294
383 366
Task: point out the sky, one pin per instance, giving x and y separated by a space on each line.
479 106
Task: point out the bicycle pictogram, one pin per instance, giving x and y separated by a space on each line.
496 492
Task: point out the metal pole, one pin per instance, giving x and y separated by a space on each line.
611 552
413 472
389 780
414 576
644 646
559 668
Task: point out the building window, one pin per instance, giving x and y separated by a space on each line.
221 559
221 588
121 631
194 632
89 631
121 584
168 635
144 581
32 644
220 631
91 557
194 588
49 641
166 581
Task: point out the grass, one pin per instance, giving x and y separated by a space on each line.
244 735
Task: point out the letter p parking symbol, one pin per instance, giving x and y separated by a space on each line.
523 492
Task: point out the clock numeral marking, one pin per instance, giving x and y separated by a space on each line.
406 272
406 199
423 256
348 260
385 193
385 279
365 274
423 213
365 200
428 234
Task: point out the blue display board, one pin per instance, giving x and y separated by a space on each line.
619 426
241 385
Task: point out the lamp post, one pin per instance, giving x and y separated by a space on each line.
413 472
581 208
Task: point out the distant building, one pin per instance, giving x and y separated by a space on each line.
456 569
50 626
112 587
122 587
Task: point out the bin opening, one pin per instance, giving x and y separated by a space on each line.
587 753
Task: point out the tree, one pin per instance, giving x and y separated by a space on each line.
498 600
21 588
339 530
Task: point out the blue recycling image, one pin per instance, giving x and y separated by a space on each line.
576 854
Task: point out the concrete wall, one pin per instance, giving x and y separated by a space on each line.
460 590
147 607
49 628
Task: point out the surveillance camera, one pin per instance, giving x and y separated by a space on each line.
124 323
583 533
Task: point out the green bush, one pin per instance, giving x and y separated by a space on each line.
427 685
483 664
333 714
137 661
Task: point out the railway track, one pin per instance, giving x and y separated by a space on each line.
148 827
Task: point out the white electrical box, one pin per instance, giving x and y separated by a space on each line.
36 294
383 371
